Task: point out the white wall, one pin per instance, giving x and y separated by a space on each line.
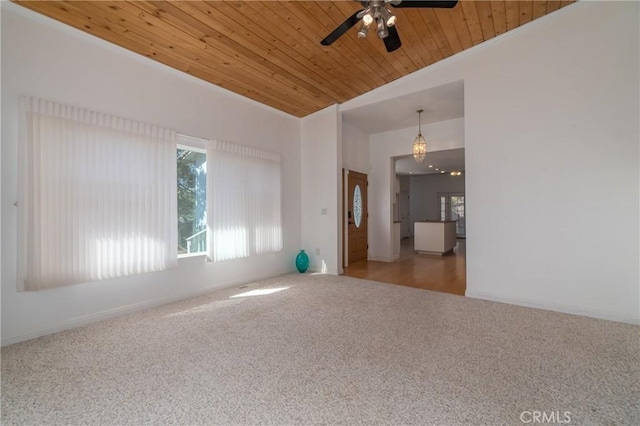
424 190
383 146
552 157
355 149
321 189
43 58
1 187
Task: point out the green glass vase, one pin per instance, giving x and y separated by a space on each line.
302 262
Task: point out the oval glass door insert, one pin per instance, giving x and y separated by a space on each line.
357 206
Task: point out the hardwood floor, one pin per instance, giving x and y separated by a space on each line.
438 273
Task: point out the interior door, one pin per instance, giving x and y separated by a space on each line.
357 217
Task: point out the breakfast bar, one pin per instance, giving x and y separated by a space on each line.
435 236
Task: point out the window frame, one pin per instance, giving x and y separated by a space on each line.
193 144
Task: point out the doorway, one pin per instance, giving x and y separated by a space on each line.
431 191
357 218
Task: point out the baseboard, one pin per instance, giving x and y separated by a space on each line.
382 258
122 310
327 271
572 310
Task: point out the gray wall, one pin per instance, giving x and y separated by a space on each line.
424 189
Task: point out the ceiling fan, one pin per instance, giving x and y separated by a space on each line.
376 14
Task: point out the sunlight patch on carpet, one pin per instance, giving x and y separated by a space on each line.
209 307
259 292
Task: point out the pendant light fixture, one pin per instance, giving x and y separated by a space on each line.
419 144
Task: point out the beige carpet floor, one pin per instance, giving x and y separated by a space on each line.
318 349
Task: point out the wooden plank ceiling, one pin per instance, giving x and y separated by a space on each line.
270 51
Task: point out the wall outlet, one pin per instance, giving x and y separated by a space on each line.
323 212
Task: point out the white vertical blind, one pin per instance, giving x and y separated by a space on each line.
244 199
98 196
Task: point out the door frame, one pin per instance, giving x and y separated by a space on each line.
345 223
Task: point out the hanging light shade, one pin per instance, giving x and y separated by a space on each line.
419 144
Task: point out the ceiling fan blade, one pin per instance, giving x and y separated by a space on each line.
342 28
418 3
392 41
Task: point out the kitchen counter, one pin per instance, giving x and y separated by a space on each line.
435 236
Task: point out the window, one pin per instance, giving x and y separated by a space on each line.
103 197
452 208
357 206
229 199
245 188
96 197
191 162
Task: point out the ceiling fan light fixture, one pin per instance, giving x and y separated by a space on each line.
367 18
363 31
389 17
382 28
419 143
392 21
385 20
